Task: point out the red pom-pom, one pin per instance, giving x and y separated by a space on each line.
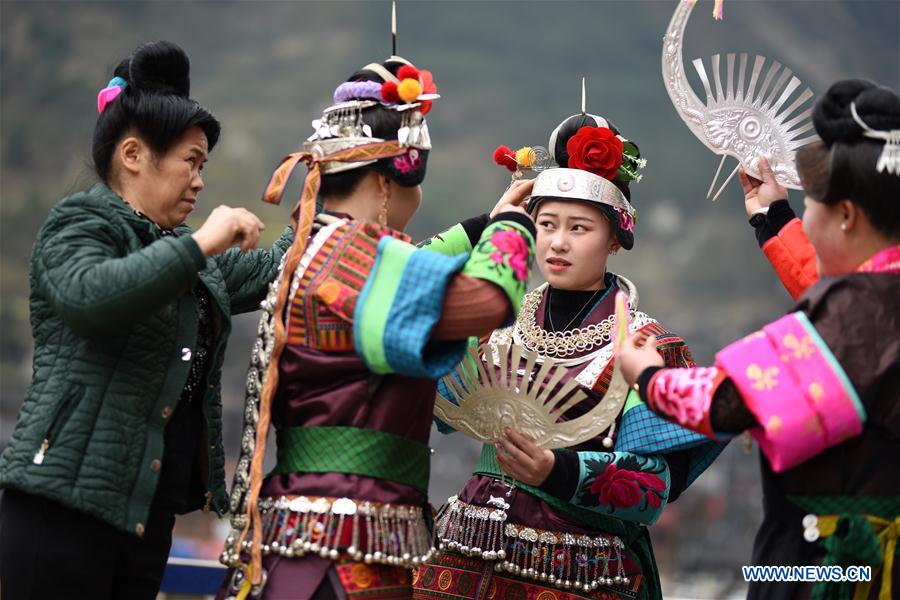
407 72
424 107
505 157
389 92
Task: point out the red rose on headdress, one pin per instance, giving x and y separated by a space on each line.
595 149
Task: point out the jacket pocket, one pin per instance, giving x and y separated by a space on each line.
61 415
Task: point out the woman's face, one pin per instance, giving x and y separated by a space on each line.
166 187
822 224
403 203
573 242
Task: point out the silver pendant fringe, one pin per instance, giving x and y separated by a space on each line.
388 534
563 560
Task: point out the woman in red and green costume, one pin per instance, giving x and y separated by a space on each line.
574 523
358 327
818 388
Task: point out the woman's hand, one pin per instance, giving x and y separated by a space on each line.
633 360
520 458
759 193
227 226
514 197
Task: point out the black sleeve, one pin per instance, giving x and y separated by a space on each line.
728 413
475 226
679 465
768 225
563 478
516 217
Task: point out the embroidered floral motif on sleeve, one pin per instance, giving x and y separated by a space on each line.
633 482
684 394
512 250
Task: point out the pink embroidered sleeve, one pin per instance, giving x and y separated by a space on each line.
685 396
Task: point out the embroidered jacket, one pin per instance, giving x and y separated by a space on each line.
357 381
817 389
600 496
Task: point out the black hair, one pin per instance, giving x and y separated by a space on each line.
843 164
384 123
155 105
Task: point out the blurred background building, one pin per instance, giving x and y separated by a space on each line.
508 72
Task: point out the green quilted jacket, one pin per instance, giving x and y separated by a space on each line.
114 324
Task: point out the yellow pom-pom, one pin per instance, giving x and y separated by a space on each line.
409 90
525 156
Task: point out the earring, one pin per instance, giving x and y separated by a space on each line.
843 227
382 214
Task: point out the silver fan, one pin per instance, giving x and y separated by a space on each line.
746 117
489 395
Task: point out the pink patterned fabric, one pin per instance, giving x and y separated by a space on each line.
886 261
798 392
685 395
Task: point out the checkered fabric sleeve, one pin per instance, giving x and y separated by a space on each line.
398 308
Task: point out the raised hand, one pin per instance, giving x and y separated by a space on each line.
759 193
226 227
633 359
514 197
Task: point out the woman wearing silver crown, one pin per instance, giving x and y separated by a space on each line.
358 326
573 523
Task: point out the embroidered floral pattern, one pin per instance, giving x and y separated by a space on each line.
633 482
409 162
684 394
626 221
514 249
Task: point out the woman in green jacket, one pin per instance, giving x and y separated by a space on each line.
120 429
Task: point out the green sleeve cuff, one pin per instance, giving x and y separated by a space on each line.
504 256
452 242
194 253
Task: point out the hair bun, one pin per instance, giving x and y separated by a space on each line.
160 68
878 107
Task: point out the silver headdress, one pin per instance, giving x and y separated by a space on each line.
341 125
889 160
743 122
577 184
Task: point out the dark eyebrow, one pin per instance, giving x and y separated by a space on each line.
544 213
582 219
197 151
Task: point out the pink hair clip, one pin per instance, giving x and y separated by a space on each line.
110 92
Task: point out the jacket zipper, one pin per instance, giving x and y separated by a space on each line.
51 431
